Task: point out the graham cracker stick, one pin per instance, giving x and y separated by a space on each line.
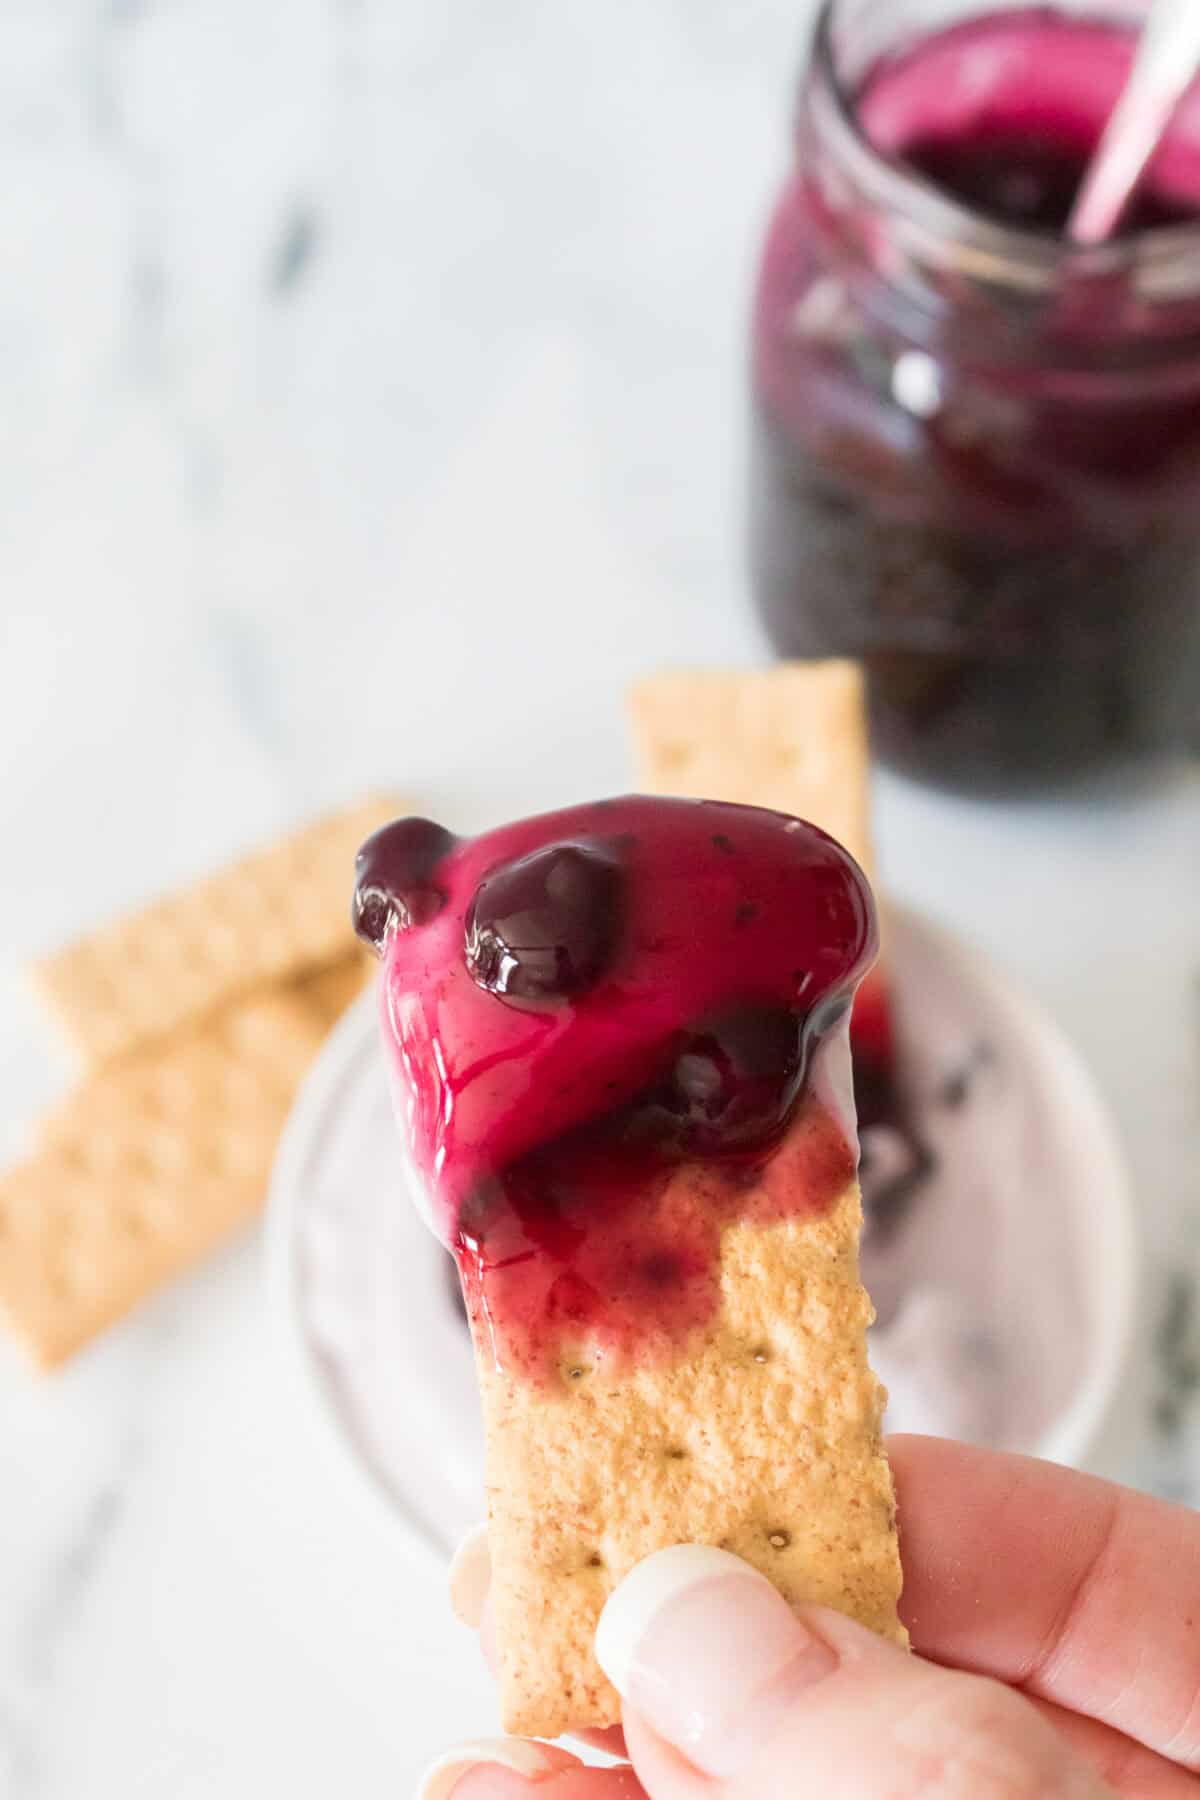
792 737
155 1161
762 1436
271 916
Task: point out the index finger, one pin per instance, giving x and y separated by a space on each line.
1080 1592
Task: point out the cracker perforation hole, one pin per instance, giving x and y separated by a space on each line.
761 1353
131 1223
779 1540
594 1561
58 1282
676 1453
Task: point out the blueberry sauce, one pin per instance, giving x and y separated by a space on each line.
602 1026
1030 180
1004 112
894 1164
989 495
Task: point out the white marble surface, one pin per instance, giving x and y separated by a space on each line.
372 408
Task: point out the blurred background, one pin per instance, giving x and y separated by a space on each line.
374 410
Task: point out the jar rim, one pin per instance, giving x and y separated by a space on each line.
943 232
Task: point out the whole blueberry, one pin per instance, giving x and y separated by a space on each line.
545 927
395 882
735 1077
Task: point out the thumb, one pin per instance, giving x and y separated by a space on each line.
729 1692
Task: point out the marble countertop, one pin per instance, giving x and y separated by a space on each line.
372 412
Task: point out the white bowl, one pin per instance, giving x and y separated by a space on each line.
1007 1295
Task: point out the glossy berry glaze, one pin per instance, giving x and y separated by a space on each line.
602 1026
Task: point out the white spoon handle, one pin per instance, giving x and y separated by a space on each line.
1167 60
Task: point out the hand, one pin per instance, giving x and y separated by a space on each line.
1056 1621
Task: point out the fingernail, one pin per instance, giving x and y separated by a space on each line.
470 1577
519 1756
704 1648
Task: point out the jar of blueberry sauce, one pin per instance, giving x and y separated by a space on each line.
976 455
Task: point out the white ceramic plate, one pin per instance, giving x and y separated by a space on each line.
1006 1295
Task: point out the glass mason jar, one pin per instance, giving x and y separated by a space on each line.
976 459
